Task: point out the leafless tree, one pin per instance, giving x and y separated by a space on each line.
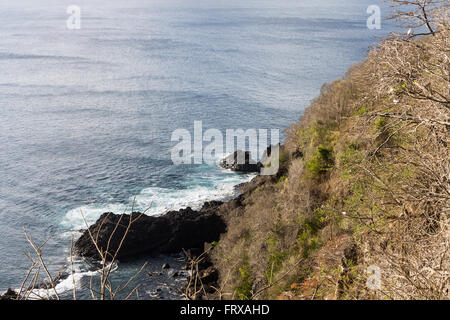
418 14
36 286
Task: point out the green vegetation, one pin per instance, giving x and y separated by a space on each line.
244 290
276 259
361 111
380 123
321 162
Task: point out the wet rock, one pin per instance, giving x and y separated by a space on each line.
211 206
10 294
169 233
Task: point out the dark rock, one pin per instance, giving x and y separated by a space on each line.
234 203
175 274
166 266
10 294
169 233
241 161
211 206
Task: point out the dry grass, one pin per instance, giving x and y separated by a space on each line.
374 166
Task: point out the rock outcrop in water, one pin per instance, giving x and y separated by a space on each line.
241 161
10 294
169 233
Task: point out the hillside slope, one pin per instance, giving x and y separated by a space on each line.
360 208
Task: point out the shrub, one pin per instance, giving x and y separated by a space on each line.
275 260
320 162
244 289
380 123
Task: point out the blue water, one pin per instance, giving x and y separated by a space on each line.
87 115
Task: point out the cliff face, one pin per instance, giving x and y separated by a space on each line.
360 208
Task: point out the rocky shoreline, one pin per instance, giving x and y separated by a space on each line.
172 232
169 233
187 230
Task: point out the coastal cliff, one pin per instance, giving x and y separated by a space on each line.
359 208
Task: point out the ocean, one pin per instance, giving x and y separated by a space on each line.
87 114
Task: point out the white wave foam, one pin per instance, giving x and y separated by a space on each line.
202 188
68 283
163 200
73 220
